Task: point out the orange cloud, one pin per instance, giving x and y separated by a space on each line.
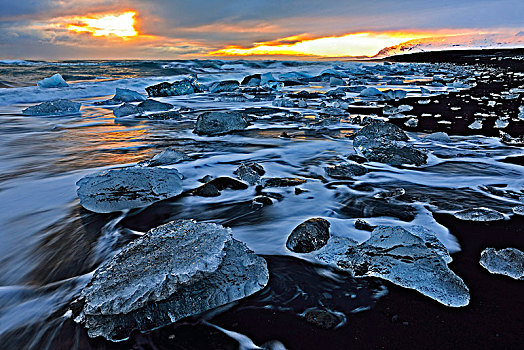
353 44
120 25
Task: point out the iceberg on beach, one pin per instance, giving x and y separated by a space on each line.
52 82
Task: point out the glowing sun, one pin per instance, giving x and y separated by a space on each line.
105 25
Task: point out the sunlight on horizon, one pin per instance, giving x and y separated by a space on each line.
356 44
118 25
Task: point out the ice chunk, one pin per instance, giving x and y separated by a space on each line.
178 269
347 170
250 172
370 92
127 188
476 125
218 123
126 109
438 136
52 82
55 107
479 214
415 261
508 262
169 156
224 86
394 94
183 87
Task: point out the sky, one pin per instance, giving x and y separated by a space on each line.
172 29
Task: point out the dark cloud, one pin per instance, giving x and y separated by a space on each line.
217 23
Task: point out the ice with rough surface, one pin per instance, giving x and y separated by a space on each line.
386 143
479 214
56 107
126 109
346 170
250 172
127 188
169 156
176 270
394 94
415 260
217 123
224 86
183 87
508 262
53 82
370 92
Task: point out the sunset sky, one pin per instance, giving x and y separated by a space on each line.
170 29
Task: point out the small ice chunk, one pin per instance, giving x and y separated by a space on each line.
519 210
508 262
370 92
394 94
438 136
52 82
501 123
334 81
411 122
476 125
169 156
479 214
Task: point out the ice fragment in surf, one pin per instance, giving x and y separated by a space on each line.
56 107
251 80
479 214
438 136
403 258
250 172
501 123
476 125
218 123
370 92
124 95
282 181
224 86
345 170
387 131
309 236
126 109
390 152
178 269
508 262
151 105
52 82
394 193
213 187
183 87
385 143
507 139
127 188
169 156
394 94
334 81
411 122
519 210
